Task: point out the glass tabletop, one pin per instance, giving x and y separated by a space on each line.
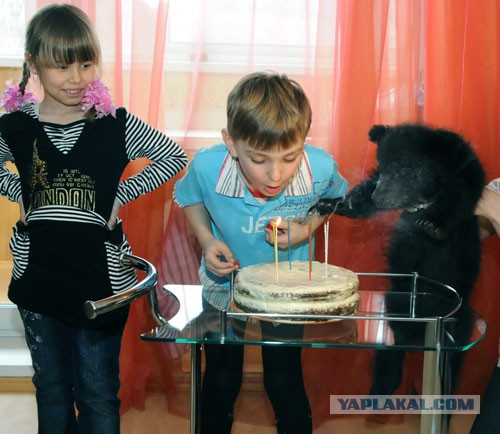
423 314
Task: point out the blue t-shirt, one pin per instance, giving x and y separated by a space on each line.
238 218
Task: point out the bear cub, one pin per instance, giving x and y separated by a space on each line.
435 178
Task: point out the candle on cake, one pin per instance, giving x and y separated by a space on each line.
289 246
276 222
327 232
309 241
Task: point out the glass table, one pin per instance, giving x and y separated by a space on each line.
370 328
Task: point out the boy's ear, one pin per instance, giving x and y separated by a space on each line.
226 137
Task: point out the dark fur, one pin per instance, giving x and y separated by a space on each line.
434 176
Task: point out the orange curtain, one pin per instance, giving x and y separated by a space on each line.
368 61
146 218
462 92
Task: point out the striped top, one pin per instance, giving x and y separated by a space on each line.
64 137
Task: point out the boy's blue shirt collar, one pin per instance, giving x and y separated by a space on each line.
229 182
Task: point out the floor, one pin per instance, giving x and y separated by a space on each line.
18 416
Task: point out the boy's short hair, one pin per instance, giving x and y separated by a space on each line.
268 110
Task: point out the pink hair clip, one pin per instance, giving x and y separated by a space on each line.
97 96
13 100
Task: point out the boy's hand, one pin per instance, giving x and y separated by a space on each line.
298 233
214 251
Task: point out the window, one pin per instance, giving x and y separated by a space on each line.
233 33
279 32
14 14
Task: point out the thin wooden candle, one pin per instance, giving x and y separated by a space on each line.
327 231
289 246
275 235
310 250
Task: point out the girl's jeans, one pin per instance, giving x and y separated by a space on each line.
74 369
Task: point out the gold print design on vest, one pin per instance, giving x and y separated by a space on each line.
69 188
38 169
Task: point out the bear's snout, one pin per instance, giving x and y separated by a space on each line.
390 195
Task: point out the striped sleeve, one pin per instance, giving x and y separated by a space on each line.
168 158
10 185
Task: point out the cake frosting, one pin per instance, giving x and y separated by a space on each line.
331 291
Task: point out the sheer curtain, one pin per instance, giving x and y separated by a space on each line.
361 62
462 90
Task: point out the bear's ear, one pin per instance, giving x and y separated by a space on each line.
377 132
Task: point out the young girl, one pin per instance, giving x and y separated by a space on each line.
229 195
70 151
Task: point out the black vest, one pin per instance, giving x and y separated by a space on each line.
67 263
87 177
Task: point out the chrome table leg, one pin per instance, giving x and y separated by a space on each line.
195 427
435 378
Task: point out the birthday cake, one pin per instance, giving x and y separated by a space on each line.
296 288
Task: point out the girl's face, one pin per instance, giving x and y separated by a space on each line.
65 85
265 172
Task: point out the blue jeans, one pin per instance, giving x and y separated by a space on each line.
74 368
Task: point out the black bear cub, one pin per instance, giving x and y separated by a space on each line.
436 179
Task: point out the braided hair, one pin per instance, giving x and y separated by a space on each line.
26 76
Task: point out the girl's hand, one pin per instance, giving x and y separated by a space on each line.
298 233
22 212
214 251
114 214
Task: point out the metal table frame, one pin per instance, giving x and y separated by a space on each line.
436 369
436 345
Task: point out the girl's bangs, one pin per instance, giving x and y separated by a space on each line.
66 51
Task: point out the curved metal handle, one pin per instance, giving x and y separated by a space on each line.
146 286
